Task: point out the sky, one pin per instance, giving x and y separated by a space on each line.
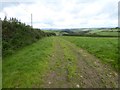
62 13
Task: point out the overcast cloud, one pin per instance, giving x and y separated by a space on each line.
63 13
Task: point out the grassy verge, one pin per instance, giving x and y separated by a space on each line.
26 67
71 60
104 48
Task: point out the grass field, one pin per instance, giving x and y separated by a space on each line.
26 67
108 33
104 48
103 32
62 62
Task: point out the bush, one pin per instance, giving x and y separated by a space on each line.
16 35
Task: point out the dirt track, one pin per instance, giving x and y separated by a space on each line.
73 67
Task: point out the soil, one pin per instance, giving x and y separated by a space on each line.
90 72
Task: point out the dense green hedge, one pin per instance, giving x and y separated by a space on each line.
16 35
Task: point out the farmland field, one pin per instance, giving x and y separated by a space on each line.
104 48
108 33
63 62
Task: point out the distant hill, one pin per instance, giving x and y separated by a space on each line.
87 31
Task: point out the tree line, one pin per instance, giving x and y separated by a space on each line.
16 35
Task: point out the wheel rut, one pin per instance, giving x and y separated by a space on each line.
73 67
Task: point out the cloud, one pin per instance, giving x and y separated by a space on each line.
64 14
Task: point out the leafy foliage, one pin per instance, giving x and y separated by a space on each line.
16 35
